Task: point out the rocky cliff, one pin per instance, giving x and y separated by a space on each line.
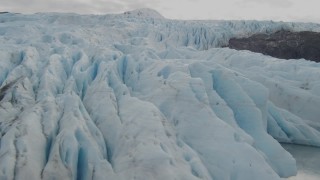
282 44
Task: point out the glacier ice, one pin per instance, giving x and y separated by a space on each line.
138 96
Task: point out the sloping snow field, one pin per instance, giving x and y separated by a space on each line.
137 96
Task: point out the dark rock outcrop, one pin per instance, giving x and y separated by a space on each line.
282 44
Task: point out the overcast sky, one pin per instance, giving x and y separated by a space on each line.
279 10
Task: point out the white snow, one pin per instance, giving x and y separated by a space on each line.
137 96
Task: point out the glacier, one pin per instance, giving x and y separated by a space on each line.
138 96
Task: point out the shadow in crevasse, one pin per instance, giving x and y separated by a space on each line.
308 161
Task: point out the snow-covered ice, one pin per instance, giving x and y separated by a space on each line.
138 96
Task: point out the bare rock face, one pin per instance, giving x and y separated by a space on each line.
282 44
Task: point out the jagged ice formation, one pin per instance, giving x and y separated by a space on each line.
137 96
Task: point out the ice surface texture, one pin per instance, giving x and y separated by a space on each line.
135 96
